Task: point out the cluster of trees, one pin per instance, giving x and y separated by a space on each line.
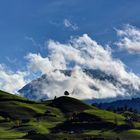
122 109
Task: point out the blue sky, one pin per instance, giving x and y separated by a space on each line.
22 21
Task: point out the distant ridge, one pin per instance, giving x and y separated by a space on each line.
133 103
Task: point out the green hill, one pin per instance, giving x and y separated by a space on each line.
63 117
69 104
7 96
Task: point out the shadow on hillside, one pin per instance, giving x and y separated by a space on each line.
80 127
37 136
68 104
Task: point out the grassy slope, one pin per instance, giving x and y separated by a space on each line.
7 96
19 109
107 116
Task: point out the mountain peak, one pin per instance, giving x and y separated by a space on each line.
88 84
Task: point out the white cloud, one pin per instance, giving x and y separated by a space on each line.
38 63
82 52
11 81
129 39
69 24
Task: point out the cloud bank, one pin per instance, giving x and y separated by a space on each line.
11 81
80 53
129 39
77 54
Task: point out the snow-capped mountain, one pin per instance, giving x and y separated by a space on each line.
50 86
